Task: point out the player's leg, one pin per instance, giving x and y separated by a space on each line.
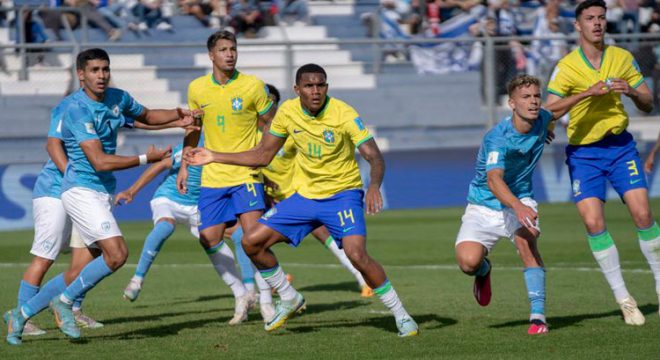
534 273
323 236
244 263
81 255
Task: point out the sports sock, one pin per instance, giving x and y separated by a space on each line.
265 296
649 242
152 245
77 303
484 268
40 301
222 259
277 280
607 256
535 281
331 245
391 300
25 292
247 272
90 275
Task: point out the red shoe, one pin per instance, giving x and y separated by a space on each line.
537 327
481 289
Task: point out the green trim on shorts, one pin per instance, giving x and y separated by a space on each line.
601 242
652 233
383 289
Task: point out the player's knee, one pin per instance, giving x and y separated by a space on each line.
252 243
117 258
642 218
358 257
594 225
468 262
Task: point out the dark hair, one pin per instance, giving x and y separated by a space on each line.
520 81
587 4
309 68
89 55
219 35
273 91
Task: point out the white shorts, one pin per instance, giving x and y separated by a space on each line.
162 207
52 228
91 212
486 226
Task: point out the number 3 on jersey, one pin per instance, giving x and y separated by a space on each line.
343 217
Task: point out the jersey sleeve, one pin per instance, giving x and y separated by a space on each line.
632 73
560 82
81 124
262 101
356 129
495 149
278 125
131 109
56 119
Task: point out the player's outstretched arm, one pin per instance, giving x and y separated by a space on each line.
526 215
162 117
190 141
560 106
106 162
259 156
369 151
648 164
641 95
126 196
55 149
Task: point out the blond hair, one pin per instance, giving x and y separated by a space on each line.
520 81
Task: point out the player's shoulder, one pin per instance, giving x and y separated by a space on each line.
199 82
572 58
288 106
617 51
499 132
348 112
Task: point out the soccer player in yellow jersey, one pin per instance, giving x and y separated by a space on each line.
600 149
328 187
233 103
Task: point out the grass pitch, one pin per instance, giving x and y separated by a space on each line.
184 307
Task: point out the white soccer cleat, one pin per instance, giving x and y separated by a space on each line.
267 312
631 313
243 305
85 321
31 329
132 289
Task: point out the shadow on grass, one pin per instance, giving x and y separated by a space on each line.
335 306
342 286
153 317
425 322
558 322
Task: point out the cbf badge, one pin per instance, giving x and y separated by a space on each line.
576 188
329 136
237 104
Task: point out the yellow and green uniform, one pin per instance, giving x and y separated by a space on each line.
595 117
229 123
280 171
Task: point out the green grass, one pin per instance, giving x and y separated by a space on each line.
183 309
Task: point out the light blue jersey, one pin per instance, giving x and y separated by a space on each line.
517 154
167 188
49 181
85 119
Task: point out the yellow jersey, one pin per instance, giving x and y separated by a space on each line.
229 123
596 117
325 146
280 172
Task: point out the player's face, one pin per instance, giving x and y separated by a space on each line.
312 90
526 102
95 77
224 55
592 24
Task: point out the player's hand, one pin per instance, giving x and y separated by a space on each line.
648 164
620 86
526 216
155 154
182 179
550 138
598 89
374 200
124 197
199 156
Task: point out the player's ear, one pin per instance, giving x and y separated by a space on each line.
576 24
296 89
512 105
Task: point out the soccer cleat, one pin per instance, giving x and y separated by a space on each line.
132 290
31 329
85 321
286 310
267 312
64 318
407 327
482 291
15 324
366 291
243 305
537 327
631 313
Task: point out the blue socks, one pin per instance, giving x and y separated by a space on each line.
247 272
26 292
535 281
90 275
152 245
40 301
484 268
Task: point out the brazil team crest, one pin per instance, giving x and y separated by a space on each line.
329 136
237 104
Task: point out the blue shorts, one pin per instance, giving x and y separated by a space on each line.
296 216
614 158
223 205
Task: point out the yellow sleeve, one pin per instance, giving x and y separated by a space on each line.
261 100
356 129
631 72
560 82
278 125
192 101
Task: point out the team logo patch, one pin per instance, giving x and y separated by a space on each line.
237 104
492 158
359 123
329 136
89 127
576 188
269 214
105 226
115 110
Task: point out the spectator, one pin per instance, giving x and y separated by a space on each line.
149 16
630 16
246 18
54 19
293 11
206 11
116 11
88 9
546 53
